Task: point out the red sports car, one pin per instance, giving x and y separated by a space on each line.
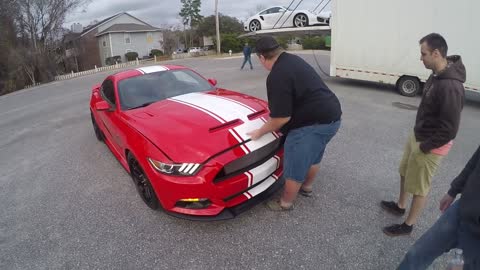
184 142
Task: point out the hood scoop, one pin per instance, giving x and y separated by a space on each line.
227 125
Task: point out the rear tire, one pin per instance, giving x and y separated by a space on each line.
408 86
300 20
142 184
254 26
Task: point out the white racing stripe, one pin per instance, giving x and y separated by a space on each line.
262 187
152 69
229 110
263 171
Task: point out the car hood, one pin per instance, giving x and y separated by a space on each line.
194 127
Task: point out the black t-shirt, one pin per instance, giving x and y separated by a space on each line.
295 90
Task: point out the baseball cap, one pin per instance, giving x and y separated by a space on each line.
266 44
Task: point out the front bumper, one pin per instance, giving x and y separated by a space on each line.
232 212
229 189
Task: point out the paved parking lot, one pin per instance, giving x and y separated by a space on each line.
66 203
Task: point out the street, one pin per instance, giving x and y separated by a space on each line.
67 203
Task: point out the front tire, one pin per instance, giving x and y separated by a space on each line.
142 184
408 86
98 132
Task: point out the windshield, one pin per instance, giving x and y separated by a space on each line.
289 9
143 90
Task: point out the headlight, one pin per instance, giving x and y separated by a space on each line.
185 169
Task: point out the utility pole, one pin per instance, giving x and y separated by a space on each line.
217 26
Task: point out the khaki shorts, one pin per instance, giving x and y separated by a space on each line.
418 168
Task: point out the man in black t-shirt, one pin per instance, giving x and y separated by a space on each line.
304 109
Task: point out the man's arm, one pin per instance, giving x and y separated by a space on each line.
450 102
273 124
458 183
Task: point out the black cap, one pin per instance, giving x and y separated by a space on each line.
266 44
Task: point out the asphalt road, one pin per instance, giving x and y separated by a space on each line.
66 203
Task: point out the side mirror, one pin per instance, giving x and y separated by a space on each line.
102 106
212 82
96 86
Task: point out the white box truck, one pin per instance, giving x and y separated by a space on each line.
377 40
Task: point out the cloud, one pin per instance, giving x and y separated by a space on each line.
165 12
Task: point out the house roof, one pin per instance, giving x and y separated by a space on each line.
94 26
70 37
128 27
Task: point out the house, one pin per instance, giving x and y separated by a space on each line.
113 36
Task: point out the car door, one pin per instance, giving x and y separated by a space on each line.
110 118
269 17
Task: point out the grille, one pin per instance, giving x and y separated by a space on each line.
249 161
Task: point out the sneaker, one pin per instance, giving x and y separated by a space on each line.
274 205
306 193
392 208
398 230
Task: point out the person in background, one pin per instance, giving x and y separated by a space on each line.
247 51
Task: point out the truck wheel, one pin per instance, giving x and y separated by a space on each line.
408 86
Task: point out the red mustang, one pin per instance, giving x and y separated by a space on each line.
184 141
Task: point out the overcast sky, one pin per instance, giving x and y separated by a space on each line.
165 12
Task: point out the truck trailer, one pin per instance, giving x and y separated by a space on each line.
378 40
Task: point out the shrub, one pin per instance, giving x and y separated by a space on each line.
131 56
313 43
156 52
112 60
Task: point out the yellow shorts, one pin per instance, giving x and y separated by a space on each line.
418 168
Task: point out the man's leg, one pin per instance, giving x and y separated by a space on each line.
402 198
250 62
418 203
327 133
440 238
398 208
290 192
312 172
420 170
244 62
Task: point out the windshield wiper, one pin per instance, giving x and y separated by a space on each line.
143 105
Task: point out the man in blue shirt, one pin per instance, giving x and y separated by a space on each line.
247 51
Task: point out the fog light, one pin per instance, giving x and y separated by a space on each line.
194 203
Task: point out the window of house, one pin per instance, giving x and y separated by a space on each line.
104 43
149 37
127 38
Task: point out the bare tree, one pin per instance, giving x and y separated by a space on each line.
43 19
40 24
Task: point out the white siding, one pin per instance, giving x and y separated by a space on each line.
124 18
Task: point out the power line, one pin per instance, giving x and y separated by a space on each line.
291 13
318 6
283 14
325 6
318 64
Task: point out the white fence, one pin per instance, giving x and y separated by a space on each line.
123 65
100 69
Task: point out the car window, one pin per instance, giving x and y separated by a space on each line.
270 11
275 10
184 77
141 90
108 91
